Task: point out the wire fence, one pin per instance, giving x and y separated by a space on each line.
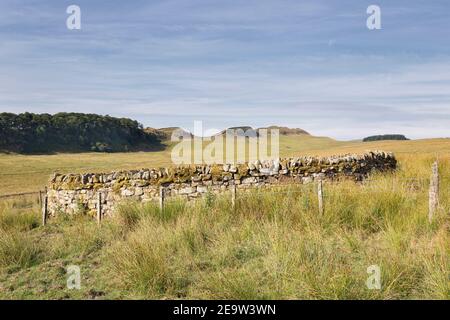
409 184
23 194
429 185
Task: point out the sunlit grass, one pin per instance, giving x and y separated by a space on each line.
275 245
22 173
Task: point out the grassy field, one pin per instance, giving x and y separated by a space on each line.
25 173
274 246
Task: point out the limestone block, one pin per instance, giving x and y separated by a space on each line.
127 193
307 180
187 190
139 191
249 180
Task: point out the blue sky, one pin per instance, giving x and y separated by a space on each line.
310 64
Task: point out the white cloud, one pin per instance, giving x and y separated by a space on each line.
228 63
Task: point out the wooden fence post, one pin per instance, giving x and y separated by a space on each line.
161 198
40 198
99 208
233 196
44 208
320 196
434 191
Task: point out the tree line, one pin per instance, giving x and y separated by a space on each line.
385 137
72 132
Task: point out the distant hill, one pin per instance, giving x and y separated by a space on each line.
385 137
72 132
165 134
285 131
240 131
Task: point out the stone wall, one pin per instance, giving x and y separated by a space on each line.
73 193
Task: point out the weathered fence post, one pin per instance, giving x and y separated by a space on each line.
320 196
161 198
40 198
99 208
44 208
233 196
434 191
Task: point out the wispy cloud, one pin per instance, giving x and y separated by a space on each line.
233 62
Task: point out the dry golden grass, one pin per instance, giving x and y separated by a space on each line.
24 173
274 246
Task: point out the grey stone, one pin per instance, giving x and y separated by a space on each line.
139 191
127 193
307 180
249 180
187 190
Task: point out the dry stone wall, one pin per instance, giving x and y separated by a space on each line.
74 193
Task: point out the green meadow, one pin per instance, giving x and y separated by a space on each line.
275 245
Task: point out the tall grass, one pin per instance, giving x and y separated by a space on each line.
276 245
17 248
19 213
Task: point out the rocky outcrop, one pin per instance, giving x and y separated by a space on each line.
72 193
285 131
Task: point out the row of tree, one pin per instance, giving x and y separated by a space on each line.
385 137
72 132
